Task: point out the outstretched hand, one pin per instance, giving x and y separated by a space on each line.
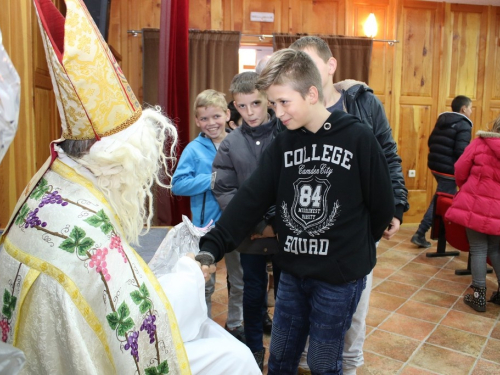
392 228
207 270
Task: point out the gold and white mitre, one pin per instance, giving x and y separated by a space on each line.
93 96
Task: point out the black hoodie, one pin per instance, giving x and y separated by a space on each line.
333 197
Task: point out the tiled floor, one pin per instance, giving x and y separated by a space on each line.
417 322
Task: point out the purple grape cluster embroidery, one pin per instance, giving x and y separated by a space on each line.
52 198
150 327
132 344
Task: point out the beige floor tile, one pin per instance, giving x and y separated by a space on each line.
407 277
422 269
376 316
486 368
443 361
458 340
469 322
412 370
492 350
385 301
407 326
446 286
396 289
391 345
379 365
435 298
422 311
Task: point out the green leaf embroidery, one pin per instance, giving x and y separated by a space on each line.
124 326
144 290
136 297
140 298
23 212
40 189
106 228
113 320
9 304
100 220
85 245
77 241
6 297
119 320
68 245
163 367
145 306
123 311
77 234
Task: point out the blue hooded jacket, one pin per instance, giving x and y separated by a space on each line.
193 177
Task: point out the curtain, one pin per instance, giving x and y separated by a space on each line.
213 62
353 54
173 97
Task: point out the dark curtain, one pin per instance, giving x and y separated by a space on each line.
353 54
173 96
213 62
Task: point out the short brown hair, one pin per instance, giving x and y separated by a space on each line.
314 42
293 67
243 83
210 98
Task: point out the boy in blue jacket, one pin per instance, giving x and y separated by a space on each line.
192 178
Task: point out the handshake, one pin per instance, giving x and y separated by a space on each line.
206 261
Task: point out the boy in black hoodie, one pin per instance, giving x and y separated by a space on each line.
329 180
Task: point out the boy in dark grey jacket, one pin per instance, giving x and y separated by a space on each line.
448 140
236 159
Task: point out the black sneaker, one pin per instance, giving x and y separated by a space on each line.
238 333
267 323
420 241
259 358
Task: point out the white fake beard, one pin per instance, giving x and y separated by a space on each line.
126 169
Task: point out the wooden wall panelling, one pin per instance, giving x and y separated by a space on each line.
317 17
200 14
382 61
132 15
46 115
466 38
216 19
492 72
416 91
268 6
18 165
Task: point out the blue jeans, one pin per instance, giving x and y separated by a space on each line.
311 307
444 185
255 281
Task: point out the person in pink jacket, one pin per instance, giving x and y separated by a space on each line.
477 207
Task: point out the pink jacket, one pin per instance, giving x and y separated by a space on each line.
477 172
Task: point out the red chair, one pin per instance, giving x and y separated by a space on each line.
443 230
446 231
